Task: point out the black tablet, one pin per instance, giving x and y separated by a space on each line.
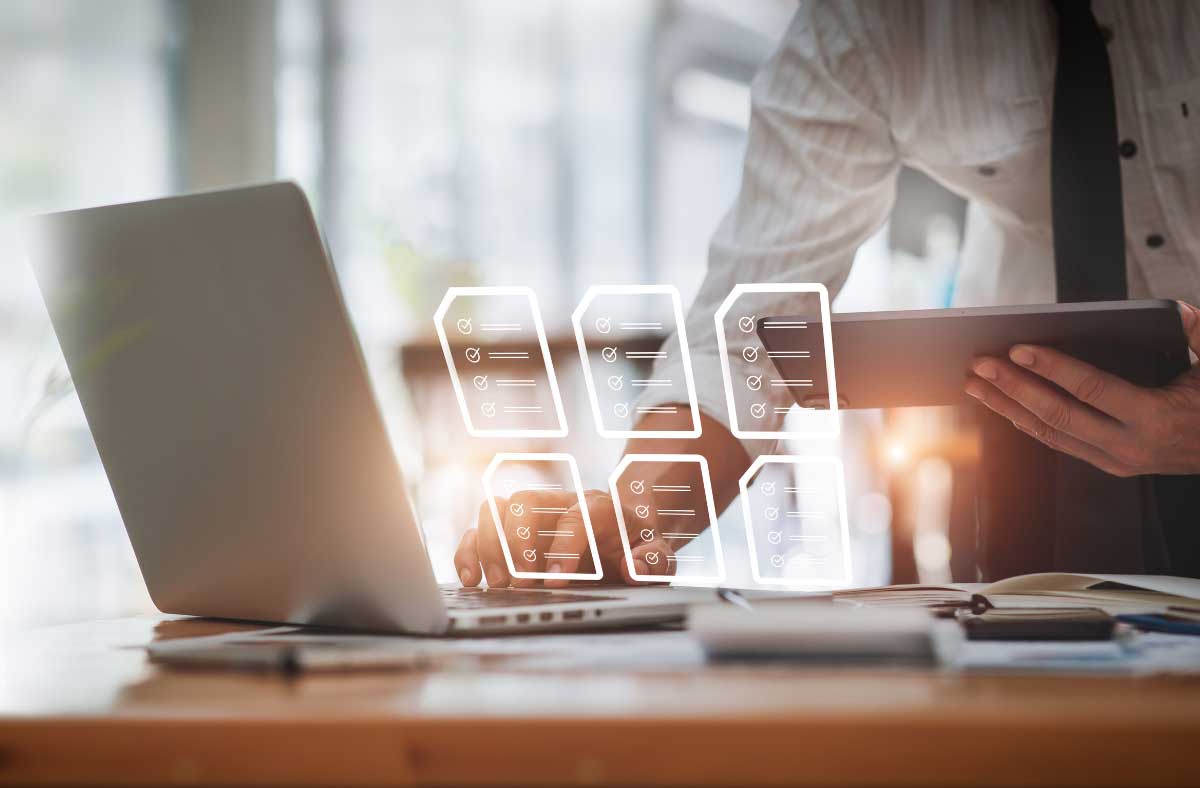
922 357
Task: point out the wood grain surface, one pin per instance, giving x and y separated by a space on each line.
80 704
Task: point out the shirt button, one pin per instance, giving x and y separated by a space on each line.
1128 149
987 170
1154 240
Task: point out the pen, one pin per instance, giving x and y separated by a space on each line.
734 598
980 604
1156 622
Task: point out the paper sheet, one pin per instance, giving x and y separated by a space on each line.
1186 587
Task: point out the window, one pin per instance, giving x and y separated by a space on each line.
87 120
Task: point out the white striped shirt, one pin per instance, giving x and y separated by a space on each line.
964 92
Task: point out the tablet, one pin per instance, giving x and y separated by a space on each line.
922 357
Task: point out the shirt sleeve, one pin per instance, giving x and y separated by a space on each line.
818 180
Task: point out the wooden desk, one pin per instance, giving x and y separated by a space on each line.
79 704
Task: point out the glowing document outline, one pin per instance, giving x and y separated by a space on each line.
727 374
475 432
689 380
844 525
614 491
576 480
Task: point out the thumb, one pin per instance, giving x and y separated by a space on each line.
1190 317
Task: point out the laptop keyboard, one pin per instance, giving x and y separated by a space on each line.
477 598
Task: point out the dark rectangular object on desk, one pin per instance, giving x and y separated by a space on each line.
922 357
1086 623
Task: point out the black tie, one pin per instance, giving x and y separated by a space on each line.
1100 520
1039 510
1085 174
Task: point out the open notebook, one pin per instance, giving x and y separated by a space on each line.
1115 594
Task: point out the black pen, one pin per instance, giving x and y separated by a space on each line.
734 598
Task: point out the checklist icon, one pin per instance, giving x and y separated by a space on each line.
796 525
529 531
761 399
663 512
500 367
621 331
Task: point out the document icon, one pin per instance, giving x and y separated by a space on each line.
764 380
655 496
540 514
499 362
620 331
796 524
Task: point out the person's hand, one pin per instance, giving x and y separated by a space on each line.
1123 429
480 556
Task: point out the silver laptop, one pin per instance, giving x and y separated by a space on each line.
227 394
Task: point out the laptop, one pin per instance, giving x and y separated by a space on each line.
226 391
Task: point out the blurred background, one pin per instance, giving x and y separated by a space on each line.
552 143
